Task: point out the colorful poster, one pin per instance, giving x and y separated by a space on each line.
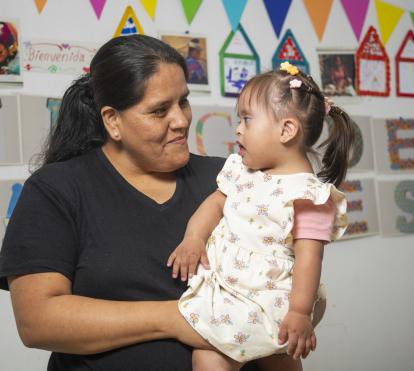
372 66
9 194
394 145
194 49
362 208
10 53
9 131
129 24
404 65
38 115
69 58
396 206
238 63
213 131
289 50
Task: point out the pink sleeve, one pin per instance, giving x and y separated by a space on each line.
314 222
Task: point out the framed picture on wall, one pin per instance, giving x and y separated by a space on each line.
10 52
337 72
194 49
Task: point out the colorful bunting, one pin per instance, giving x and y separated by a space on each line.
190 8
129 24
388 17
412 16
40 4
404 63
277 12
318 11
98 6
356 11
234 10
149 6
289 50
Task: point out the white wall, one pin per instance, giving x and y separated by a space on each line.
369 322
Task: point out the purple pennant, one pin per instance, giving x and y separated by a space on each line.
277 11
356 10
98 6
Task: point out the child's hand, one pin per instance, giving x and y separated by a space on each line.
186 256
298 330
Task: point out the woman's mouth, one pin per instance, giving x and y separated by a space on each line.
178 140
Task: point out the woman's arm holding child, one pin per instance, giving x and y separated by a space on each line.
192 249
297 325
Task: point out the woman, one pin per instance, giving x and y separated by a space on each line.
85 252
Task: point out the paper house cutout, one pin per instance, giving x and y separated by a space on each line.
289 50
129 24
239 62
372 66
404 64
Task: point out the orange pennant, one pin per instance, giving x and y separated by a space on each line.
318 11
40 4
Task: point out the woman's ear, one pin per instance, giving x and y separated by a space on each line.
110 118
290 129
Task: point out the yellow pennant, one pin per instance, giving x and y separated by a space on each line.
40 4
129 24
318 11
388 17
149 6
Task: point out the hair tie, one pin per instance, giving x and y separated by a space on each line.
289 68
328 105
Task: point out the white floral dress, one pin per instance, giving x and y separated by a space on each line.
239 303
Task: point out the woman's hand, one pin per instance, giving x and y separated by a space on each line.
185 258
298 330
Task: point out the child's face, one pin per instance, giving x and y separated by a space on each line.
258 136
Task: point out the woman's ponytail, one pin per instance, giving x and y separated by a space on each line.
337 147
79 127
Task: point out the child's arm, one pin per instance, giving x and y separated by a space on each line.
297 325
192 249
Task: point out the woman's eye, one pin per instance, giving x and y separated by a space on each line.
184 102
160 112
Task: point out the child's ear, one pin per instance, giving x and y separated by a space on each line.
110 117
289 130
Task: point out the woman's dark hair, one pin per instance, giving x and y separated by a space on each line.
272 91
117 78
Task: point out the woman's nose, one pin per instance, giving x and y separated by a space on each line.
181 118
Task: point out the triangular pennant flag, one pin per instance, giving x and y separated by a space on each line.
129 24
98 6
149 6
277 12
234 10
40 5
388 17
412 16
356 11
190 8
318 11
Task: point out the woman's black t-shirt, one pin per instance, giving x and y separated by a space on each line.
81 218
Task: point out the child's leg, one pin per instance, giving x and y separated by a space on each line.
207 360
279 362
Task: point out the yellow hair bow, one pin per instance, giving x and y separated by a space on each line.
289 68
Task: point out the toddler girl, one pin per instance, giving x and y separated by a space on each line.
265 229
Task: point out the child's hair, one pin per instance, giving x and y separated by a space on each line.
274 92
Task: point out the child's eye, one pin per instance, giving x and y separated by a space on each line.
247 119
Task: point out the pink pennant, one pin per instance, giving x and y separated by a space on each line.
356 10
98 6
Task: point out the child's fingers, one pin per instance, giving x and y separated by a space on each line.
204 261
293 342
176 268
282 334
308 345
300 347
313 342
171 259
184 270
192 267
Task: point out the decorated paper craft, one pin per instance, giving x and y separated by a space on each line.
396 207
372 66
10 52
213 131
388 18
98 6
394 145
69 58
194 49
129 24
9 194
277 11
238 62
289 50
190 8
9 131
234 10
404 64
356 11
318 11
362 209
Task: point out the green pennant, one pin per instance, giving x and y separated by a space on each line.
190 8
412 16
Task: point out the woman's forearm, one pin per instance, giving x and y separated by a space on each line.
81 325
